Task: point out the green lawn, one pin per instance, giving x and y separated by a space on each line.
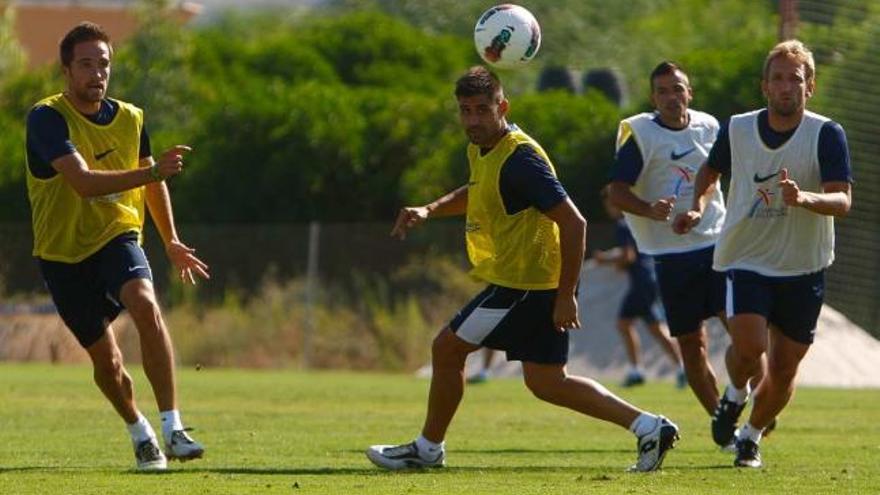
291 432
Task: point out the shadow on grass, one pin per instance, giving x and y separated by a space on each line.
525 451
366 470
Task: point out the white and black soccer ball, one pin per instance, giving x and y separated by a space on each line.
507 36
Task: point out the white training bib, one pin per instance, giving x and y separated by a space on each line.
761 234
671 160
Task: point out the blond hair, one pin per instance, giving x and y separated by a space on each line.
795 50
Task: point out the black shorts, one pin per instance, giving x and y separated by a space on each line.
86 294
519 322
690 289
640 301
791 304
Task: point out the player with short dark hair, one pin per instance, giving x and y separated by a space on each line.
658 155
525 239
90 173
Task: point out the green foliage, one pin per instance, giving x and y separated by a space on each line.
11 55
578 133
345 117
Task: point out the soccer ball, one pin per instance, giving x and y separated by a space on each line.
507 36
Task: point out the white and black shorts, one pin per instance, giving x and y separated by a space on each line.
519 322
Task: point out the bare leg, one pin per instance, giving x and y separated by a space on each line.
551 383
700 375
111 377
744 358
448 355
668 345
756 378
777 387
158 356
630 340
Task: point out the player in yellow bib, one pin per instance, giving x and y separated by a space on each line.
90 174
525 239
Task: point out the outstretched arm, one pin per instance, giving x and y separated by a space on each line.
451 204
158 202
91 183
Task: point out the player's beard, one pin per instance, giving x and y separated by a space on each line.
91 94
786 108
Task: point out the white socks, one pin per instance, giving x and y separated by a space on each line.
140 430
644 424
429 448
750 432
170 423
738 395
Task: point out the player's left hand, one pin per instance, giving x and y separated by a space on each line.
791 193
565 313
186 262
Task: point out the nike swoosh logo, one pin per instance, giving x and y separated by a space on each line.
100 156
135 267
758 178
679 156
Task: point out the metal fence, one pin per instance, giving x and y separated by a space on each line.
848 82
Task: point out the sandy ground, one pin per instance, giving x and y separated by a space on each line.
843 355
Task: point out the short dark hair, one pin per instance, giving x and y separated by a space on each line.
82 32
664 68
478 80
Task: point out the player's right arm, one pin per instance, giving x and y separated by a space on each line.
91 183
48 142
628 164
451 204
705 182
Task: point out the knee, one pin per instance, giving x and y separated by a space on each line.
782 372
143 303
543 386
445 353
748 351
693 348
140 299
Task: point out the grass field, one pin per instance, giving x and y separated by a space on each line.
290 432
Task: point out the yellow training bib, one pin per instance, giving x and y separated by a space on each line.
519 251
67 227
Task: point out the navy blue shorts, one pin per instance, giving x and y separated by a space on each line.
640 301
791 304
690 289
517 321
86 294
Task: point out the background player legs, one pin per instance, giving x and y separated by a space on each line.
700 375
632 344
668 345
551 383
139 299
111 377
448 355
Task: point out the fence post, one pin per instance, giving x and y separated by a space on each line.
312 288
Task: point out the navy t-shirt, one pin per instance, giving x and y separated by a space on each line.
48 137
834 164
628 161
526 180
